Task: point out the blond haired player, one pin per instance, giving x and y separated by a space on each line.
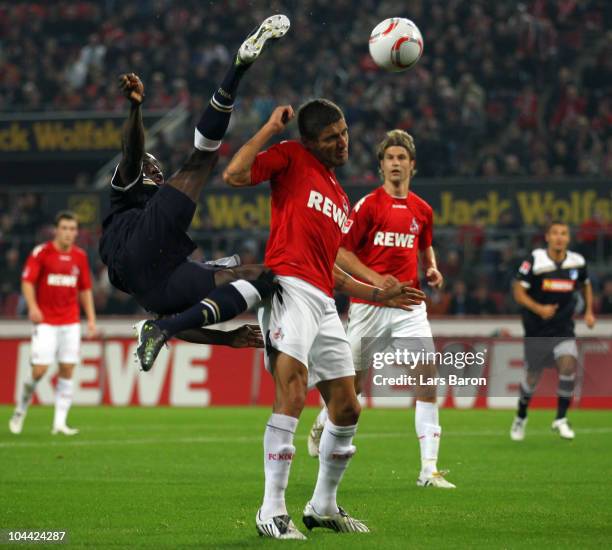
55 279
389 233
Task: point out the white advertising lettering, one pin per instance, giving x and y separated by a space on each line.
389 238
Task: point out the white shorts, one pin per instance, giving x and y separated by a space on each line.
386 323
303 322
51 342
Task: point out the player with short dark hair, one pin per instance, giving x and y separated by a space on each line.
545 287
306 344
144 238
55 279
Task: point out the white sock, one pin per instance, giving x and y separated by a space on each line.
335 452
278 455
63 400
428 431
322 416
27 393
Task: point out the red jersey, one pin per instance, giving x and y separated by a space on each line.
58 278
386 233
309 212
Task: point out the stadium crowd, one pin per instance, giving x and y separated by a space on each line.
525 86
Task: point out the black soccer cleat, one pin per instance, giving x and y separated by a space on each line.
151 339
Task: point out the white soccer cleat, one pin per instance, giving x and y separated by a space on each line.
517 430
435 479
16 422
65 430
562 426
340 522
277 527
272 28
314 437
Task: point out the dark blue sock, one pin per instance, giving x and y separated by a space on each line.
222 304
525 395
212 126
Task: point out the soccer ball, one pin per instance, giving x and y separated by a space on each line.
396 44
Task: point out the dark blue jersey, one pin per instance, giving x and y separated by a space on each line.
144 233
550 282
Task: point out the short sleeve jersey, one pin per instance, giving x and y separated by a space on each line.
58 277
386 233
550 282
309 213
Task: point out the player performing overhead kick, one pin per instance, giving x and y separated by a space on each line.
305 341
545 287
389 233
144 241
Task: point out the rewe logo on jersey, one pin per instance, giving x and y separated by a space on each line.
326 206
55 279
389 238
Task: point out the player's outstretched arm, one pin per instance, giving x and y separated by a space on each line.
133 137
246 336
238 171
400 295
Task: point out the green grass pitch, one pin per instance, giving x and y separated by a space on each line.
163 478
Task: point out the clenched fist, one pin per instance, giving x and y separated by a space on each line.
132 87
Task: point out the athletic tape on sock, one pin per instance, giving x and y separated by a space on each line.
202 143
248 292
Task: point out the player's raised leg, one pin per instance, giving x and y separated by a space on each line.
291 385
226 301
213 124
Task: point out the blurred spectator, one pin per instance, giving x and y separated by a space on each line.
459 299
480 302
10 274
605 306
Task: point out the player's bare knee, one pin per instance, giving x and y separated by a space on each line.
344 411
65 371
38 371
